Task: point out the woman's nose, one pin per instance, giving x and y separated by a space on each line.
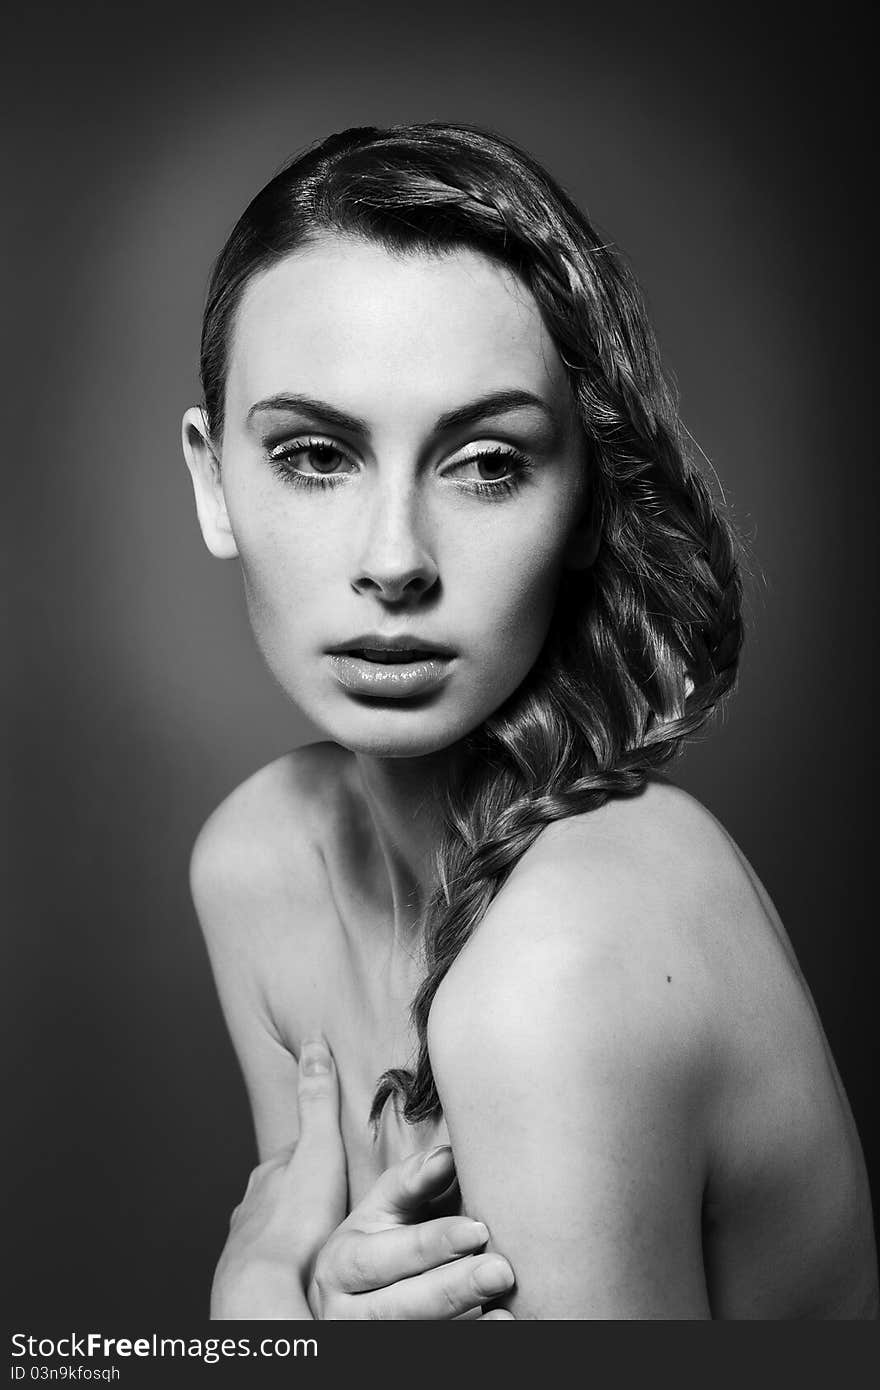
394 560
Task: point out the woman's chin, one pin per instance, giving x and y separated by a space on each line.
390 747
394 733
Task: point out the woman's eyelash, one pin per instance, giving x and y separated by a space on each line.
282 456
282 459
493 489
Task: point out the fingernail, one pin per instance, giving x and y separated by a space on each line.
314 1058
444 1149
493 1276
467 1235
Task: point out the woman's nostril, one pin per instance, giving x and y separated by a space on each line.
396 581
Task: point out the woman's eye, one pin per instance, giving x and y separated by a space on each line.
311 463
491 467
316 462
499 466
313 456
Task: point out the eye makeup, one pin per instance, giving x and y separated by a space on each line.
313 461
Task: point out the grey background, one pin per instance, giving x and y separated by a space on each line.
727 157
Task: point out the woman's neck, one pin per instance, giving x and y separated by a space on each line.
406 797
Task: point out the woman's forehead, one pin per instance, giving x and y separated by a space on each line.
343 319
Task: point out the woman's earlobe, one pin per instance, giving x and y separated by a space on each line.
204 467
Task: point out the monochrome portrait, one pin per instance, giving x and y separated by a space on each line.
441 533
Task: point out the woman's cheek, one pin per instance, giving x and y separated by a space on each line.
283 587
515 606
521 590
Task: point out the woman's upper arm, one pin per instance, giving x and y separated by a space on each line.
231 908
573 1105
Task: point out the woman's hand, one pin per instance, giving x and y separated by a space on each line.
381 1262
385 1263
293 1202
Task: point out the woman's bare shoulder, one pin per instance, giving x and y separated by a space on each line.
661 844
642 882
600 911
263 842
646 918
260 895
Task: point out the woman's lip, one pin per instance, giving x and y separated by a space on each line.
393 679
390 655
374 642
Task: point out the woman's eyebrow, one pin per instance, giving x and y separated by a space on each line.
482 408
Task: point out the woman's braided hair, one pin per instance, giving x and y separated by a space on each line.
644 644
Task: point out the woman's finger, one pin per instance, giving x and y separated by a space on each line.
442 1293
376 1259
317 1093
404 1188
497 1315
314 1179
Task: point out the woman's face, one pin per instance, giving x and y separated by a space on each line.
401 464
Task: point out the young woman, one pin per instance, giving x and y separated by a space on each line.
436 435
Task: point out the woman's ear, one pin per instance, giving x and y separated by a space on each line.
204 467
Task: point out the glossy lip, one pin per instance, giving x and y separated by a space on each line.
389 680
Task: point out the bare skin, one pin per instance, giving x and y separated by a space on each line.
640 1101
691 1153
294 1254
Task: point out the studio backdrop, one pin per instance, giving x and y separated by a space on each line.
727 161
